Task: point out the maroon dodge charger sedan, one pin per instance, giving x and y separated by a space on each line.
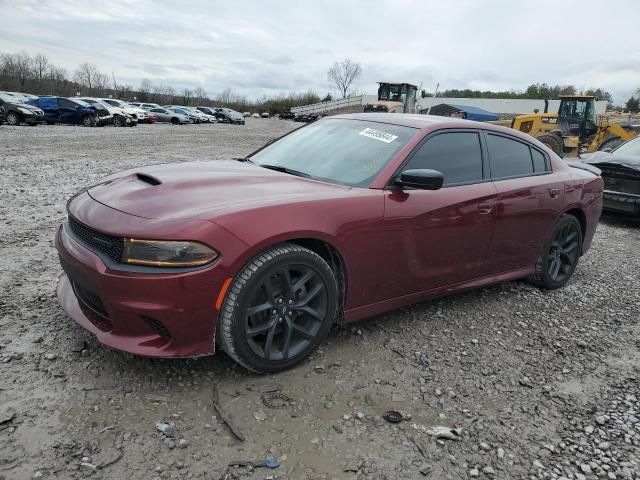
345 218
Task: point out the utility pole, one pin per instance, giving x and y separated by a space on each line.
433 98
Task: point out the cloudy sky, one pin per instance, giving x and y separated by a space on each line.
262 47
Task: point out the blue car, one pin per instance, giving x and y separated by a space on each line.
66 110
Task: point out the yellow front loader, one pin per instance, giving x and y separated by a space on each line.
575 128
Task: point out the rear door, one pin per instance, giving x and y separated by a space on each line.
530 199
437 238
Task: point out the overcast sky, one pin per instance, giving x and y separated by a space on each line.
262 47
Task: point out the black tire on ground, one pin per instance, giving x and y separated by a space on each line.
279 308
175 121
553 142
89 121
118 121
13 118
611 143
559 255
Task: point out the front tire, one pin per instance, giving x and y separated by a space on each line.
88 121
279 309
13 119
560 254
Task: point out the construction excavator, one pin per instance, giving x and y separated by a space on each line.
576 128
394 98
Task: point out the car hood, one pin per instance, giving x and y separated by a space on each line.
33 108
204 189
603 158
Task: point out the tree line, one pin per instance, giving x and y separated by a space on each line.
36 74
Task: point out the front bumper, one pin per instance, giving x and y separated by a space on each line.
151 314
33 117
622 202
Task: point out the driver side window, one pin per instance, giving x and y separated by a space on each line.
457 155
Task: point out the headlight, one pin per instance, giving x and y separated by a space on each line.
25 110
160 253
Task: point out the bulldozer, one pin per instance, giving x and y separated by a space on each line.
394 98
576 128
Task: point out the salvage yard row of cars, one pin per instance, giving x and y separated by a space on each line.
21 108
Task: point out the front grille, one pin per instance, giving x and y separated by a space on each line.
97 241
157 326
90 299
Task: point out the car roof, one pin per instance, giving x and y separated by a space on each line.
431 122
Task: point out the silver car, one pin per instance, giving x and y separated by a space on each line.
167 116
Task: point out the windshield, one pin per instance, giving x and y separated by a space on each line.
347 152
630 151
10 99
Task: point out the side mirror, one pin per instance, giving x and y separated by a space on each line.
423 179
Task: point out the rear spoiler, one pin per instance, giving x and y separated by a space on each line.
584 166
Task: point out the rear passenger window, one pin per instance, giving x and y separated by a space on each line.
509 158
456 155
539 161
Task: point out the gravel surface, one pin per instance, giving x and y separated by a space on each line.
502 382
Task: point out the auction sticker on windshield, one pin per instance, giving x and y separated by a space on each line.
378 135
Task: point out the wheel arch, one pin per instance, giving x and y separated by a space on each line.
318 243
334 258
582 219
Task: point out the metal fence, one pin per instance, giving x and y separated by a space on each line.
328 106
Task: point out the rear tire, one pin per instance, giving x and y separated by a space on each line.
175 121
560 254
553 142
13 119
278 309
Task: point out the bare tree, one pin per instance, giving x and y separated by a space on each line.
187 94
101 83
85 75
145 89
200 95
40 66
342 74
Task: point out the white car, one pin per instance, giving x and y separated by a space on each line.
255 115
137 113
121 118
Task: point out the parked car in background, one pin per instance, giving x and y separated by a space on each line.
120 118
226 115
255 115
146 106
192 118
200 116
246 114
265 115
453 204
15 111
137 113
66 110
210 112
168 116
620 170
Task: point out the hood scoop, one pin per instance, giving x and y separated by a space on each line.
143 177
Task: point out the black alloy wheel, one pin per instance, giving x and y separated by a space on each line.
560 255
286 313
279 309
563 252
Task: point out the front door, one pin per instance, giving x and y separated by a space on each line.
438 238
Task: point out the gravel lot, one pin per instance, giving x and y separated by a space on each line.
537 384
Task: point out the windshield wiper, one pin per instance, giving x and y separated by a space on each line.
290 171
242 159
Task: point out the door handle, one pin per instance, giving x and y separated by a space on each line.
554 192
485 208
